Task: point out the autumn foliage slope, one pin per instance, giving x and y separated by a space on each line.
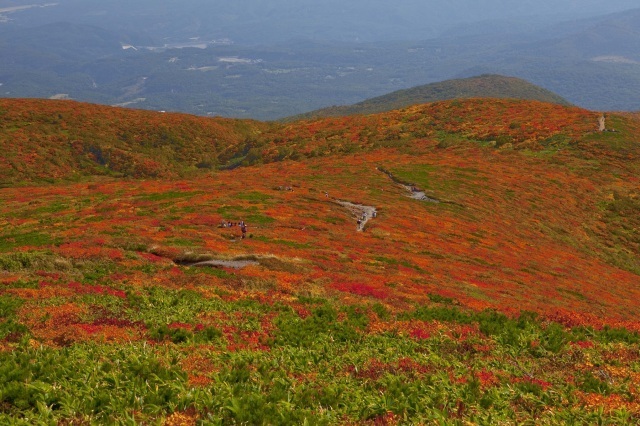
49 140
511 295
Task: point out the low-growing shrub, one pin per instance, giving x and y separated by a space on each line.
323 321
175 335
436 298
19 261
8 305
609 335
591 384
438 313
380 310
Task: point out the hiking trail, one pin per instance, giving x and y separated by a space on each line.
218 263
415 192
362 213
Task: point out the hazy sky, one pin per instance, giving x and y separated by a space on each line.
278 20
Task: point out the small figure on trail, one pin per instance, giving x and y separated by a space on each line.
243 228
223 224
375 213
601 123
326 194
359 222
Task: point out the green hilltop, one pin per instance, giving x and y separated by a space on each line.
483 86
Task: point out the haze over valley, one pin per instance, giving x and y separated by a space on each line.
270 60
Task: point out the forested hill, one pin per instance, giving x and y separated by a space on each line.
483 86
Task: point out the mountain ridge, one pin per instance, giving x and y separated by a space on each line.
483 86
92 138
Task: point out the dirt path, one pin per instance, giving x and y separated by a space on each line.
236 264
361 212
414 191
418 194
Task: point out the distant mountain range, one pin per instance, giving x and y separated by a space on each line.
494 86
280 21
593 63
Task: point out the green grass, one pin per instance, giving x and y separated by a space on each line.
54 207
430 178
33 260
618 139
287 243
169 195
31 239
254 196
183 242
251 215
258 219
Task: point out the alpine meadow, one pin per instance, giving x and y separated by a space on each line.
463 261
308 213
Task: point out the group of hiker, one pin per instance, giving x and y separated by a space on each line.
241 224
362 220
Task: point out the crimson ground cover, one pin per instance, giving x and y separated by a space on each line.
513 299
